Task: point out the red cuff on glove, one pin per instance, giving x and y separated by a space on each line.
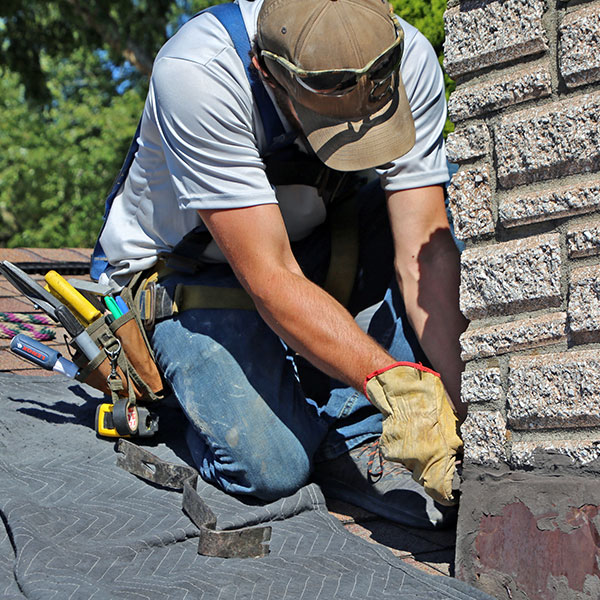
418 366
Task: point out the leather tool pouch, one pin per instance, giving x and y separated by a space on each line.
125 366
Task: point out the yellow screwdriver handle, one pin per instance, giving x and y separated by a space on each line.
59 286
64 302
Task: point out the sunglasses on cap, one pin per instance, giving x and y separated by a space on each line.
338 82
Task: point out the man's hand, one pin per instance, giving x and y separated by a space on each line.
309 320
427 268
419 427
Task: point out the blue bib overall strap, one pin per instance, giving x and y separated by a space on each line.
99 262
231 18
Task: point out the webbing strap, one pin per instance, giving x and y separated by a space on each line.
343 261
98 261
231 18
207 296
247 542
339 281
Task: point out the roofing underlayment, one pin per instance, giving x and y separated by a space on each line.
77 526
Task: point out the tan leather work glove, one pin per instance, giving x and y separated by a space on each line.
419 425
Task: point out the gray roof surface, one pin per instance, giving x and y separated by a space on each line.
430 551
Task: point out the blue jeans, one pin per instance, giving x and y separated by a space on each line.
260 416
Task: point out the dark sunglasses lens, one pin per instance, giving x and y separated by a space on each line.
334 81
386 65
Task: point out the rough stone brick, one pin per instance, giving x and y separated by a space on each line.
470 199
584 303
481 385
514 335
578 56
468 143
549 142
474 100
566 201
584 239
581 451
483 33
554 390
484 436
510 277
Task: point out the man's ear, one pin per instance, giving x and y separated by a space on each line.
263 72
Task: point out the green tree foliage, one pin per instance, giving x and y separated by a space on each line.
74 77
58 163
428 17
128 30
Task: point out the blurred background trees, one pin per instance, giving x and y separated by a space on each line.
74 75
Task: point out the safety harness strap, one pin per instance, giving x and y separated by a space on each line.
344 251
231 18
98 261
247 542
206 296
344 224
157 302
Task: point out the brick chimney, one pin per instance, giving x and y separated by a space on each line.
526 202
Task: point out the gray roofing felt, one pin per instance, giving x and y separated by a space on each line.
76 526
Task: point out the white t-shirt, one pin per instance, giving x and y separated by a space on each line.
201 140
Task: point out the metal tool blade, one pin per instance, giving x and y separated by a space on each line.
34 292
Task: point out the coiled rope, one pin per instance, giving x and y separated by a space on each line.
36 326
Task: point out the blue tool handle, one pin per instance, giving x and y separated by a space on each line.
34 351
121 304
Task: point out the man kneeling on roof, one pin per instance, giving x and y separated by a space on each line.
249 179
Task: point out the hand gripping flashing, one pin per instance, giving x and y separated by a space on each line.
420 429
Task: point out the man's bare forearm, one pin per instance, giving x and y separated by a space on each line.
320 329
304 316
431 299
428 271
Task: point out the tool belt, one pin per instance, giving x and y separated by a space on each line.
125 366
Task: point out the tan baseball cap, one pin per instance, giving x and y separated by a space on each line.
359 129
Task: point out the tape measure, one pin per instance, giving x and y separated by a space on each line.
125 419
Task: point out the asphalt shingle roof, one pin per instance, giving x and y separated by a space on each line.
14 308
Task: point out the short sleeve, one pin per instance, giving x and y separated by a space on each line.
204 117
425 164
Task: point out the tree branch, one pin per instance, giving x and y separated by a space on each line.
108 30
